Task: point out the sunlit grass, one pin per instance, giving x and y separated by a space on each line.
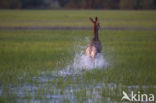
61 18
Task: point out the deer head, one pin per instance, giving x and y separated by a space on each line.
95 22
96 27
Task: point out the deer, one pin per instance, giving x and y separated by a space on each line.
95 46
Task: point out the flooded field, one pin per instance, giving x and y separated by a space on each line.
50 66
69 85
56 88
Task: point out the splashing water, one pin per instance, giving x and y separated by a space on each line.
82 62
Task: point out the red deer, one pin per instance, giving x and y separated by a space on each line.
95 46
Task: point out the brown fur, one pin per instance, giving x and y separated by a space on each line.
95 45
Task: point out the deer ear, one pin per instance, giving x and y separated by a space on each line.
96 18
91 19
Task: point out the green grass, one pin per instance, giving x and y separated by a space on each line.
28 55
79 18
126 51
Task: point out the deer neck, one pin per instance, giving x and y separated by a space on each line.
95 38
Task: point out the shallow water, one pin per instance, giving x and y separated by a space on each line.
43 90
54 87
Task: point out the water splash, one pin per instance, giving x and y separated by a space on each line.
81 61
